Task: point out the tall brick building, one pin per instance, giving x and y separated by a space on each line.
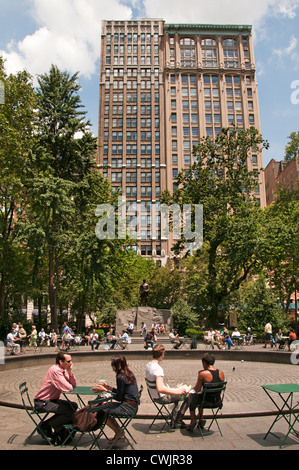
162 88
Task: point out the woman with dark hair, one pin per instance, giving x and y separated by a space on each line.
125 393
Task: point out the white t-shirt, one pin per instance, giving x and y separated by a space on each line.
268 328
154 370
10 339
236 333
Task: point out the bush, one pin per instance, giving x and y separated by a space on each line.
192 332
101 333
184 316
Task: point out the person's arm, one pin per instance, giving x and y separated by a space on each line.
199 383
119 391
63 383
161 388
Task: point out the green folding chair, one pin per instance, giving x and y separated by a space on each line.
162 408
93 406
37 417
212 399
123 423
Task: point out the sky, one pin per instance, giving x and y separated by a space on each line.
37 33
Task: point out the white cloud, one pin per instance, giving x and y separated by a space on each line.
68 36
68 31
220 11
288 53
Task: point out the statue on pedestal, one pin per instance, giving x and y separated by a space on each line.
144 290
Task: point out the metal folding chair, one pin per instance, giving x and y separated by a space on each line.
93 406
121 344
186 344
123 422
212 399
37 417
162 408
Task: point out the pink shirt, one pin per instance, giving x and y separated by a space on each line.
55 382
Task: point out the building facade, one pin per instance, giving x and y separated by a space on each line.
162 88
283 174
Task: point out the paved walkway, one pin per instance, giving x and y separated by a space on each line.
244 397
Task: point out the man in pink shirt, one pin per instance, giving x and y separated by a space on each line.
58 379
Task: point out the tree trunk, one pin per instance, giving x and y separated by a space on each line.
52 291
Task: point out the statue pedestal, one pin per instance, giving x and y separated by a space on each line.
147 315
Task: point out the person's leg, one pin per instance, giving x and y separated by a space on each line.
117 409
63 413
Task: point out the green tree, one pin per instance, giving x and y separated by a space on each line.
16 137
292 147
62 156
221 182
258 305
165 286
280 250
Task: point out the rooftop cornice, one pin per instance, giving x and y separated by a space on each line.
219 29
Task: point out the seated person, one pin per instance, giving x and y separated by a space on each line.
53 338
174 338
210 338
248 336
292 337
155 374
111 339
124 338
67 340
148 340
236 333
209 374
86 337
130 328
161 329
12 342
142 329
126 396
42 337
226 338
94 340
58 379
279 339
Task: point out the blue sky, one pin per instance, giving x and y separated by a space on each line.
36 33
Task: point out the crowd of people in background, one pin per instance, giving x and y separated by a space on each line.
17 339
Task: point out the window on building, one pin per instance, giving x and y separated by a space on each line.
230 53
209 52
187 48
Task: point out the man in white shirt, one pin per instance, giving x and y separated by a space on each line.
130 328
236 333
11 342
155 375
42 336
94 340
175 339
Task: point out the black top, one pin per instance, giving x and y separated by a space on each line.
125 390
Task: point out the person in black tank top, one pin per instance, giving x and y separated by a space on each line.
209 374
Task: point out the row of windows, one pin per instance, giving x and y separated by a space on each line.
131 60
145 162
131 37
131 135
131 149
119 50
132 122
131 176
209 52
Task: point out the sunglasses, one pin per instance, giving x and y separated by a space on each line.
68 361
